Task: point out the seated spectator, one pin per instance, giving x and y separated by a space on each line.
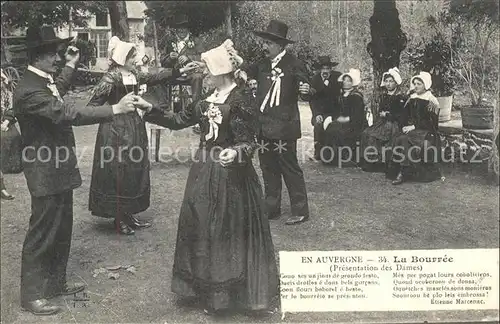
343 131
377 139
416 151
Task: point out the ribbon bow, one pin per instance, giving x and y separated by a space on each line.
52 87
214 119
275 89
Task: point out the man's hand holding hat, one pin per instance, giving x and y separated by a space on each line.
72 56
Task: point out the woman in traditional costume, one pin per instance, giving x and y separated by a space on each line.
7 120
120 185
224 252
343 131
377 139
417 149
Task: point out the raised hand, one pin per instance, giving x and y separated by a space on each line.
304 88
173 55
227 156
126 104
183 59
5 126
72 55
142 104
319 119
408 129
190 67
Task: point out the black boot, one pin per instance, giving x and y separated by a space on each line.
135 223
123 228
41 307
399 179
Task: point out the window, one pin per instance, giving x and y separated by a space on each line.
101 19
100 40
83 36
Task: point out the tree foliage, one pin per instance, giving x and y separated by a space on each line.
476 30
435 56
202 15
20 14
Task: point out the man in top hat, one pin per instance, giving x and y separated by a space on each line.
178 52
281 79
325 101
50 165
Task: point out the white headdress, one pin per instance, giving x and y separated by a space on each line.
223 59
354 74
395 74
426 79
118 51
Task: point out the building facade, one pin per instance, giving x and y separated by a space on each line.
98 30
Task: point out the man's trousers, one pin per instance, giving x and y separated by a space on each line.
46 246
278 158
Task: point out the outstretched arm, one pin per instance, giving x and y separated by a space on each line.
244 126
176 121
43 104
164 75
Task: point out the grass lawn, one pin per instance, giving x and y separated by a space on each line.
350 210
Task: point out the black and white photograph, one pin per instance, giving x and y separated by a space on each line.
250 161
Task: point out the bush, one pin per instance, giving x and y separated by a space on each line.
434 56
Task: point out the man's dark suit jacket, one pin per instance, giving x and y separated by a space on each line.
49 161
325 101
280 122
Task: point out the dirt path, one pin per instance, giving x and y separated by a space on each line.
350 210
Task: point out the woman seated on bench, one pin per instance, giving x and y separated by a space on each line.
416 152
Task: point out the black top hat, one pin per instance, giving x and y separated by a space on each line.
37 37
276 31
325 60
180 20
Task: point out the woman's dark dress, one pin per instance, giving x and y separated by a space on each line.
424 115
382 133
224 251
120 182
340 135
11 141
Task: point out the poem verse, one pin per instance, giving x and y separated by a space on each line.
409 280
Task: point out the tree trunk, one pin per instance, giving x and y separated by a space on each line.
494 162
229 28
332 39
119 22
388 41
155 44
346 4
339 32
70 22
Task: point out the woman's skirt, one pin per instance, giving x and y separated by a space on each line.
340 144
376 143
419 152
11 151
120 182
224 251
